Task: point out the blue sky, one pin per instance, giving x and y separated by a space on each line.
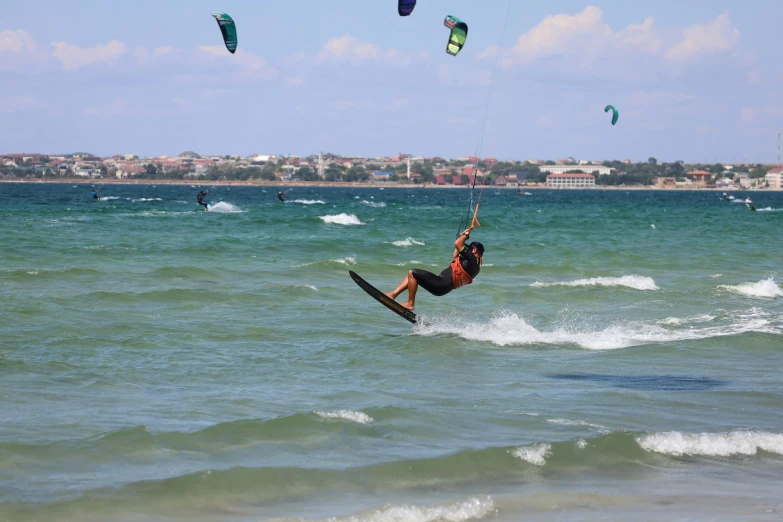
700 82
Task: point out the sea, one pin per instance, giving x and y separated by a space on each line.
619 356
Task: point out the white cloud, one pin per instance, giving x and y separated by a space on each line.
584 37
16 41
250 64
115 108
294 80
717 36
74 57
350 49
19 104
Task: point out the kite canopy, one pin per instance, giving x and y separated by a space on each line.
615 114
405 7
229 30
459 33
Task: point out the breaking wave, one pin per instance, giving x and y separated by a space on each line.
407 242
728 444
353 416
308 201
373 204
632 281
342 219
766 288
225 208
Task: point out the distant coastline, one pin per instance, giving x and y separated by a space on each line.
356 184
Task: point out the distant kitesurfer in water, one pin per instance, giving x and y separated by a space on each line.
201 195
95 194
465 266
749 203
725 196
281 196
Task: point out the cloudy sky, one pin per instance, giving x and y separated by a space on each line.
697 83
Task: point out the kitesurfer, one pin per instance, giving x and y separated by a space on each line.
95 195
725 196
465 266
281 196
749 203
200 198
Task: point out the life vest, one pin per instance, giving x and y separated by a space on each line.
459 277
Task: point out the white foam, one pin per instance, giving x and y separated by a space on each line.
766 288
342 219
700 318
406 263
311 287
109 198
462 511
508 329
345 260
653 226
308 201
715 276
770 209
712 444
631 281
535 455
373 204
407 242
527 194
593 427
141 200
225 208
353 416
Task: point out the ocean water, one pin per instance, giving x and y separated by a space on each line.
618 357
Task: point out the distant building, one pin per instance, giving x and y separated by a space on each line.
456 180
381 176
700 177
439 180
665 182
570 181
773 178
590 169
501 180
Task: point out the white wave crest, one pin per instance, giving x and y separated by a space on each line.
593 427
461 511
311 287
701 318
342 219
308 201
142 200
406 263
535 455
766 288
109 198
225 208
345 260
770 209
508 329
407 242
632 281
712 444
373 204
353 416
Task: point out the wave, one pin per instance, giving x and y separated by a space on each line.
373 204
307 201
766 288
407 242
311 287
509 329
632 281
728 444
462 511
701 318
535 455
352 416
144 200
770 209
108 198
225 208
342 219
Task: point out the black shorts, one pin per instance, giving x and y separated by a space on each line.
437 285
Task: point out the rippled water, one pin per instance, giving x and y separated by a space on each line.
618 356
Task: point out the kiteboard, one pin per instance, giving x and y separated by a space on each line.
382 298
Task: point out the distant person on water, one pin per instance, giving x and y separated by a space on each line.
95 194
749 203
200 198
725 196
465 266
281 196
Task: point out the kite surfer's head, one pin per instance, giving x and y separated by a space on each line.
477 249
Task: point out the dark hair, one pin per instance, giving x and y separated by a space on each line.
478 246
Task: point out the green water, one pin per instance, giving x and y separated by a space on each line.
618 355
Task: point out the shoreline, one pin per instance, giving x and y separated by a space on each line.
356 184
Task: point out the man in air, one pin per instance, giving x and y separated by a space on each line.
200 198
465 266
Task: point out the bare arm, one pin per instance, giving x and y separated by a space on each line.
459 244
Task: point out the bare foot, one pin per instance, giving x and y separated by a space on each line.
389 295
408 305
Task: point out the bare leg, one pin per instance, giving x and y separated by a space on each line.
411 285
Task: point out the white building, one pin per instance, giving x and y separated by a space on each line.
562 169
774 178
570 181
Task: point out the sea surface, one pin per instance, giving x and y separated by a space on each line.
618 358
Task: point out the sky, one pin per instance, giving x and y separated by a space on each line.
702 82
